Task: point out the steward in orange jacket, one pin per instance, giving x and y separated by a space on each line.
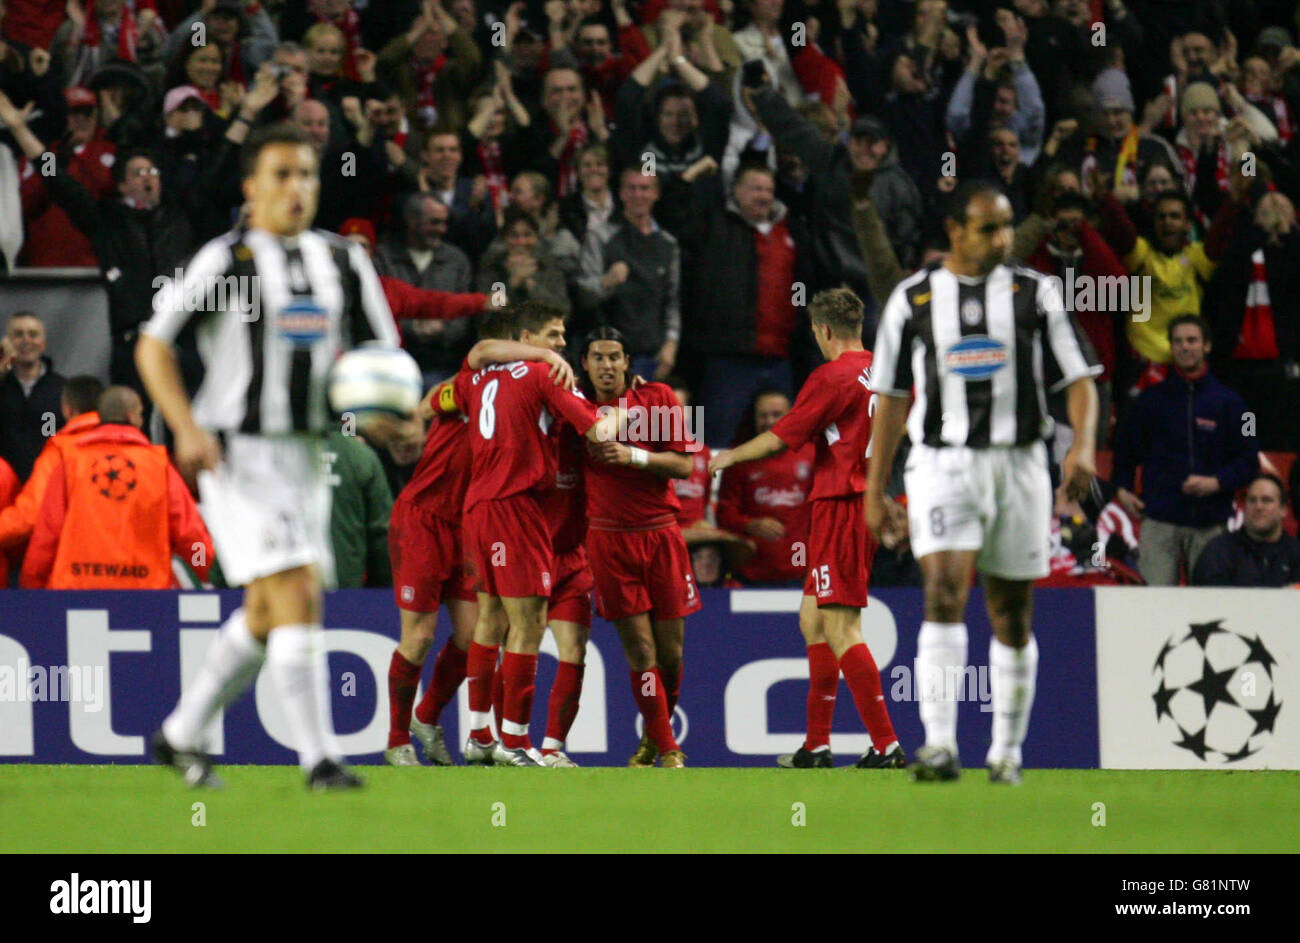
114 512
80 396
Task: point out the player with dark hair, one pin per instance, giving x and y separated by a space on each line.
977 346
642 569
300 298
833 410
511 408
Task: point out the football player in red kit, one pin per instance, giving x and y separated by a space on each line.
424 544
564 507
511 408
642 569
834 410
767 500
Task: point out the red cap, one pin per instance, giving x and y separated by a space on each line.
80 97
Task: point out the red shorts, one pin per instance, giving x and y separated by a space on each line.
571 599
840 551
508 547
642 571
425 551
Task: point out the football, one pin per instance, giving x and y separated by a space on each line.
373 380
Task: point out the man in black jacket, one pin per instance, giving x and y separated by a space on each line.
30 393
1259 553
746 279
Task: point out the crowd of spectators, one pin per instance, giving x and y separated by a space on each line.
692 172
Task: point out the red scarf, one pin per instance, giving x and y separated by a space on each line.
1189 157
426 76
1258 337
128 35
489 157
234 64
1282 119
568 158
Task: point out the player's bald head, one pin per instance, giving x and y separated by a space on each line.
121 404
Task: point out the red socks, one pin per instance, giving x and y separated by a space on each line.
480 666
403 679
672 685
519 673
823 683
654 708
863 678
562 707
448 673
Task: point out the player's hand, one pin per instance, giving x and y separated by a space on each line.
195 450
878 520
721 461
896 536
765 528
393 432
561 370
1131 503
1077 471
1201 485
610 453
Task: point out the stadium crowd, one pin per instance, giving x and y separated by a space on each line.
691 172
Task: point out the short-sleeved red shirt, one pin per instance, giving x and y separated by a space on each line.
441 476
623 497
565 505
833 410
511 408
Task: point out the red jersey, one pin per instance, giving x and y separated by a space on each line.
565 505
441 476
622 497
834 410
693 492
777 487
511 408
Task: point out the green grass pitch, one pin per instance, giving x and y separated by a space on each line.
82 809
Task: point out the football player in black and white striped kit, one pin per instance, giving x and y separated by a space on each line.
274 303
981 345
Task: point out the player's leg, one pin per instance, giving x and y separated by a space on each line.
1013 667
566 692
941 647
1016 553
823 686
449 670
297 659
843 628
527 618
403 680
480 666
228 668
670 643
637 636
670 584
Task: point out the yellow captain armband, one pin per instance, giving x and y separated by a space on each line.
445 398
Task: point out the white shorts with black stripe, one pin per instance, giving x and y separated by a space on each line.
267 506
994 500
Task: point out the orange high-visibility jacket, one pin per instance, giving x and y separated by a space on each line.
114 513
17 521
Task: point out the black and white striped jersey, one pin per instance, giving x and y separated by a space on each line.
981 353
272 314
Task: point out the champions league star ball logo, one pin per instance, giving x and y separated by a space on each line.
1214 692
114 476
